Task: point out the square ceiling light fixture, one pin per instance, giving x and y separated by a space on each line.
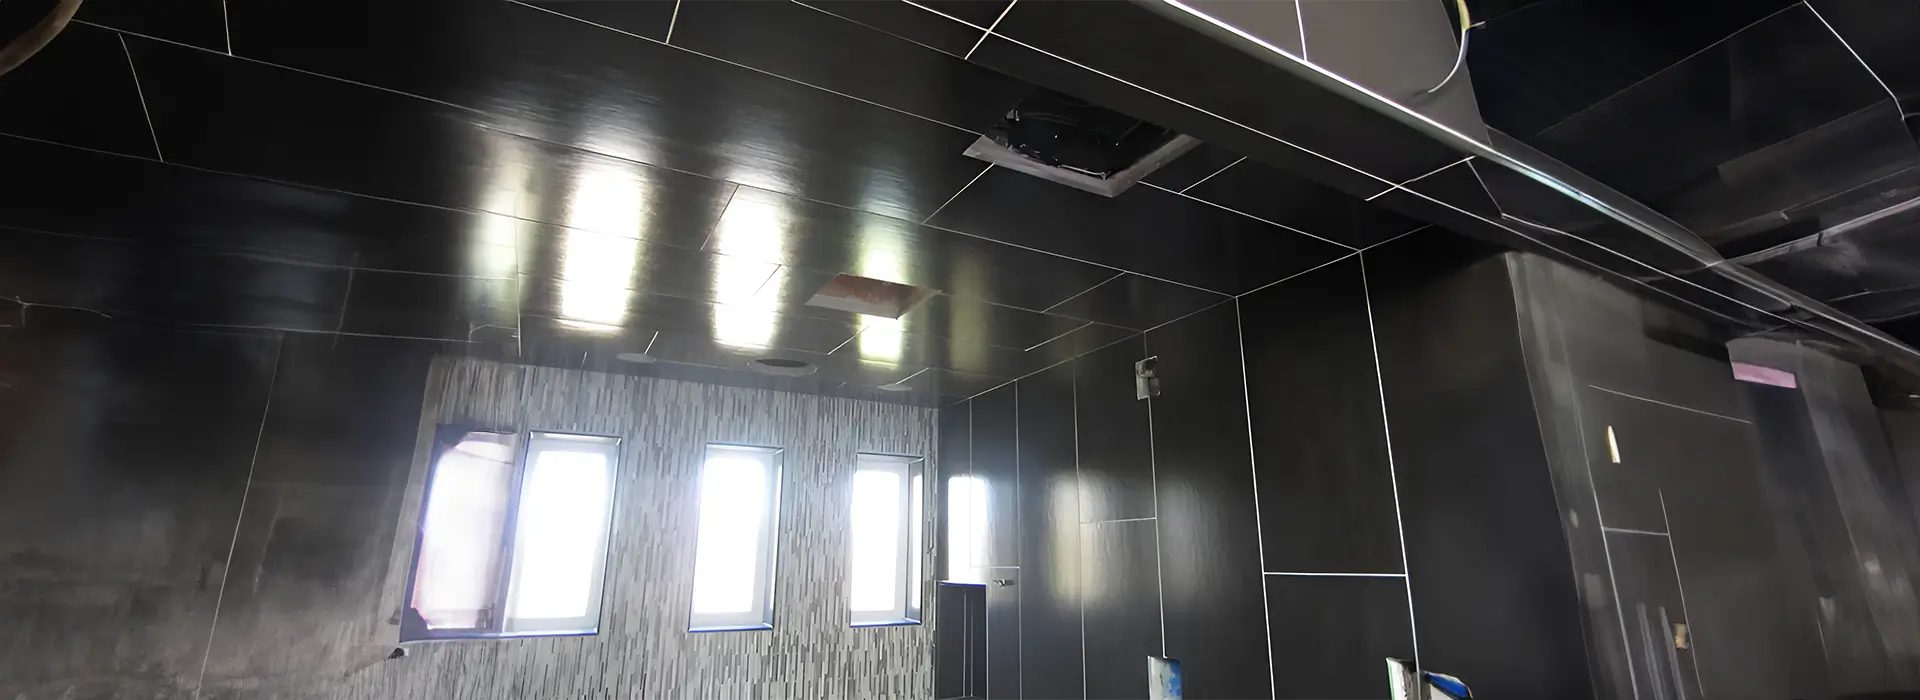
1078 144
865 295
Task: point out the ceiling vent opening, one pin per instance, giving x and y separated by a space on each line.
866 295
782 367
1078 144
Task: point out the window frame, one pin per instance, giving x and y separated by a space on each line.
772 461
910 544
497 623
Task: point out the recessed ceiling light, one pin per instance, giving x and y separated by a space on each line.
639 357
783 367
896 386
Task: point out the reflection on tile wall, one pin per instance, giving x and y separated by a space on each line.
643 648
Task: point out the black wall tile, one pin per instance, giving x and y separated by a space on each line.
1133 232
1049 536
1629 491
1487 559
979 13
169 283
105 115
1209 550
1331 635
996 462
345 410
201 23
1201 163
429 306
905 21
616 94
1287 199
1116 443
126 450
1650 603
1132 301
953 459
1003 634
1319 446
647 18
1122 596
959 666
818 49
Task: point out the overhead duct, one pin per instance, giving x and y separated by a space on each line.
1611 230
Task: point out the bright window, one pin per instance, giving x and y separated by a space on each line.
884 583
733 559
512 542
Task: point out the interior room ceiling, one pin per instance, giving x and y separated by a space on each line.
568 182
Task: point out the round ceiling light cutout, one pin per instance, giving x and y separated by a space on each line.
783 367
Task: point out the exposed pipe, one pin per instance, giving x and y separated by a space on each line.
1616 206
38 36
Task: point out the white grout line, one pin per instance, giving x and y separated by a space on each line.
1053 254
1119 520
671 21
1698 682
1223 207
990 28
1296 274
142 94
226 27
1857 57
1044 343
1190 106
1253 469
1393 474
1669 405
1209 176
1079 534
1328 573
943 14
1153 474
1418 178
845 18
740 65
1019 611
239 518
650 342
1082 293
1397 236
1300 18
1606 549
1631 531
957 193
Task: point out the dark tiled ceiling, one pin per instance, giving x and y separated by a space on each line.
565 181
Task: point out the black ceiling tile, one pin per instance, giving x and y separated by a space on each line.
1267 192
823 238
945 316
1882 32
648 18
616 94
1145 230
169 283
245 117
79 90
822 50
744 325
1198 164
1458 185
963 385
159 202
1085 339
592 270
429 306
1692 122
1200 70
1132 301
705 350
884 344
905 21
1054 73
201 23
979 13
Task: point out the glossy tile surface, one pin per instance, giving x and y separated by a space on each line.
1131 301
105 116
1650 597
429 306
907 22
1133 231
1204 161
1116 444
953 460
199 23
996 455
832 53
1289 200
1319 443
1003 635
1330 634
345 410
1210 550
1049 537
128 453
674 109
1122 625
167 283
648 18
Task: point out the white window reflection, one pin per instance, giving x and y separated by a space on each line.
886 549
967 529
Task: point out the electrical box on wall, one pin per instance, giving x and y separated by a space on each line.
1146 378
